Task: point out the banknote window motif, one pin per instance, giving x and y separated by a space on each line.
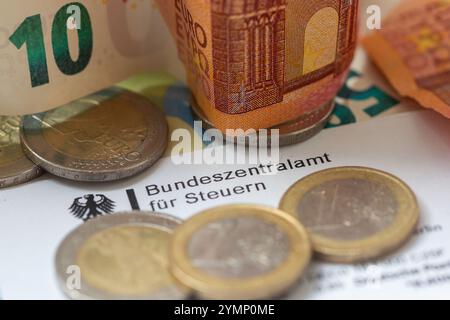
264 49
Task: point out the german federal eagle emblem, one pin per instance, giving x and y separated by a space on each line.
91 206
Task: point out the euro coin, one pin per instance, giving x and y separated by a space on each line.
15 168
106 136
239 252
120 256
292 132
353 214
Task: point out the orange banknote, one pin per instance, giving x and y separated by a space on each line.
263 63
412 49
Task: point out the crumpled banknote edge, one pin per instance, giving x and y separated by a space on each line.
398 75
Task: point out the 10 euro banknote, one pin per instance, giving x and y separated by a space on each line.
53 52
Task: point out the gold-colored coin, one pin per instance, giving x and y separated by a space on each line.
15 168
239 252
121 256
353 214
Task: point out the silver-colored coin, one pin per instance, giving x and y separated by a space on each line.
15 167
238 247
348 209
292 132
119 256
109 135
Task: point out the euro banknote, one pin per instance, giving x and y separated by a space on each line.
412 49
262 63
54 51
364 96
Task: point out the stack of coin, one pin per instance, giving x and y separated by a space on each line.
292 132
109 135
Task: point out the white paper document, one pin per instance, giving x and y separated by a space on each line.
35 218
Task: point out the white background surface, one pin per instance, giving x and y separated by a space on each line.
34 218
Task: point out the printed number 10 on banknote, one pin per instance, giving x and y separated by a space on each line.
53 52
262 63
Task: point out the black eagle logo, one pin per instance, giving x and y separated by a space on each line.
93 206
